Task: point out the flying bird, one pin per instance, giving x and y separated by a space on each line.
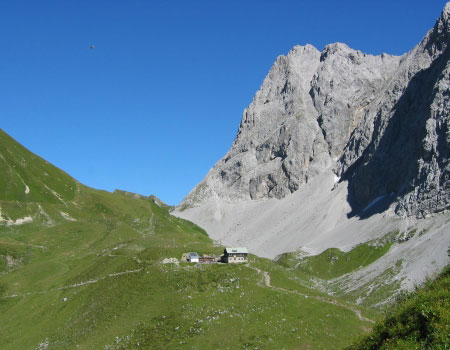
91 47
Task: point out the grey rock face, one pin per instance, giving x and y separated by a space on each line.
381 122
346 82
400 150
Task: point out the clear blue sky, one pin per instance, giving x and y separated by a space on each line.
159 99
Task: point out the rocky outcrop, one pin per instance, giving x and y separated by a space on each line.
380 122
400 150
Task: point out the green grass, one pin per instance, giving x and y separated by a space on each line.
209 304
333 262
375 293
420 320
20 168
213 306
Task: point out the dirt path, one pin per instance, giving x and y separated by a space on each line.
265 281
76 285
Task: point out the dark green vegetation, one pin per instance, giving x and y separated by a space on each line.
420 320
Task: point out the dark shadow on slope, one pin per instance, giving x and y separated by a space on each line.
390 169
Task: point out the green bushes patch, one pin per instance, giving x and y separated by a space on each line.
420 320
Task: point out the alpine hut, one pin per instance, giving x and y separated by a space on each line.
235 255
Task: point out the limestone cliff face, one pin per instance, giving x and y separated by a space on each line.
400 149
381 122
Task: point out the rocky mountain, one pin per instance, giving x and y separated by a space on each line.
380 121
400 148
337 148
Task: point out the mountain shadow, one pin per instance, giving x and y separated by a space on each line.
390 166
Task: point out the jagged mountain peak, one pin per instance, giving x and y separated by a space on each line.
437 39
300 50
298 122
335 48
445 16
320 110
399 151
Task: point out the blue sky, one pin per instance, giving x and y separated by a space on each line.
159 99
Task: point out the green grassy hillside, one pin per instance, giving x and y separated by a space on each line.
333 262
332 270
25 177
84 269
420 320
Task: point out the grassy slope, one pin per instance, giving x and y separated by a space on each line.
158 306
20 168
103 251
334 263
332 270
421 320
